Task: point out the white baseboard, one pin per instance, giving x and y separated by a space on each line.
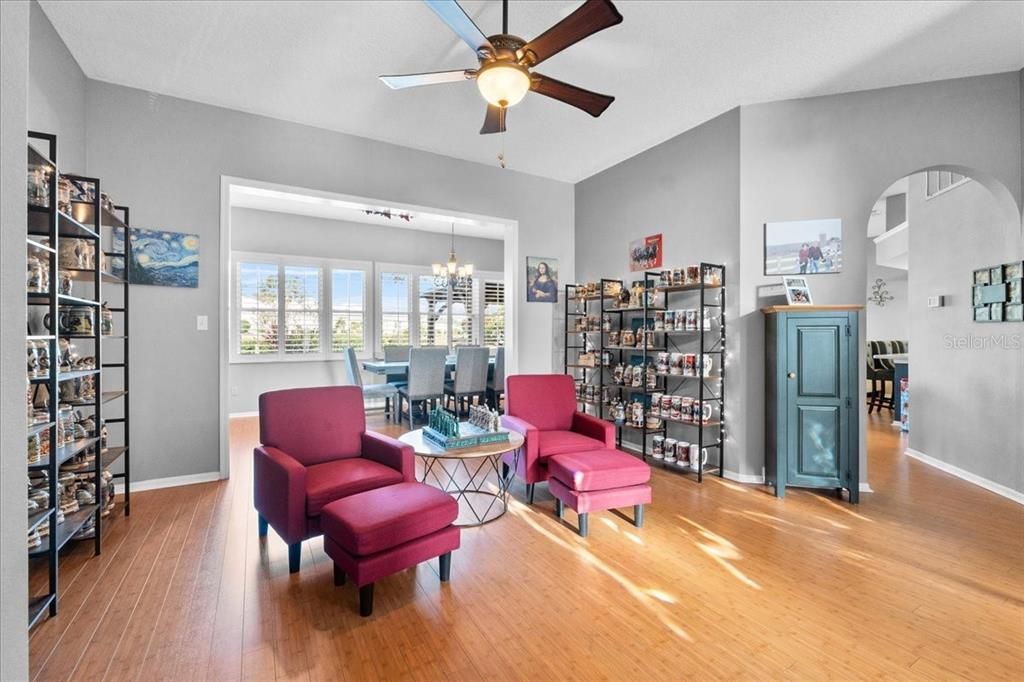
243 414
864 487
991 486
743 478
169 482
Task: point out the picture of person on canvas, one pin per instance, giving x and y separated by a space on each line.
543 287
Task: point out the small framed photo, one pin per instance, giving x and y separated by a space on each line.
982 276
1014 312
981 314
1013 271
797 291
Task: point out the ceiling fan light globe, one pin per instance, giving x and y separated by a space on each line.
503 84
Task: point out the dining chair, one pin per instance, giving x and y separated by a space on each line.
470 376
371 391
398 379
426 379
496 384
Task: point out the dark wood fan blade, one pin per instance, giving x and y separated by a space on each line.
494 121
458 21
591 102
589 18
412 80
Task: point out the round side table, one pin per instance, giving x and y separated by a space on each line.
465 473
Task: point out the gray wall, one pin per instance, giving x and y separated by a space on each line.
889 321
164 157
270 232
833 157
14 34
688 189
967 390
286 233
56 94
812 158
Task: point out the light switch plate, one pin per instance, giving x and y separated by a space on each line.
202 323
936 301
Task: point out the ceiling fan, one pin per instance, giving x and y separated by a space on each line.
506 61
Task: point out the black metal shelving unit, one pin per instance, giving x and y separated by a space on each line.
710 386
578 309
641 353
656 297
83 455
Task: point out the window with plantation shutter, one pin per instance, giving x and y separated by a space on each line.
301 309
348 310
291 308
394 308
494 313
463 324
257 296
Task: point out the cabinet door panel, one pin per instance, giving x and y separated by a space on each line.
820 431
818 363
817 378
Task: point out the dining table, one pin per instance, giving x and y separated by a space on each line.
375 366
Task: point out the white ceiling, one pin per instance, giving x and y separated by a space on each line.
670 65
350 209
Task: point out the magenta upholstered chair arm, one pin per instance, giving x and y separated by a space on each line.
391 453
598 429
279 492
528 431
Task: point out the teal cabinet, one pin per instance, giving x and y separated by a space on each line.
811 410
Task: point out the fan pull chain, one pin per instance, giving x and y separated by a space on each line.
501 154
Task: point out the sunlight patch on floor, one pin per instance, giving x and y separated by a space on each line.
840 507
722 552
643 595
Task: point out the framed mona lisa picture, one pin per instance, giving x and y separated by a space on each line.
541 280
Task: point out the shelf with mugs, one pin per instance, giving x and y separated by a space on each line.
68 220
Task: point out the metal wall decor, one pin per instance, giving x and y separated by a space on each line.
879 294
996 294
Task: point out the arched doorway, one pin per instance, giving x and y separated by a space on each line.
937 226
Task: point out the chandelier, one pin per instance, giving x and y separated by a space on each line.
451 274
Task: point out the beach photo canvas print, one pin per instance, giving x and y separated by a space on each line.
159 258
803 247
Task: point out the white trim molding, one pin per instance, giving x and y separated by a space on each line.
991 486
743 478
169 482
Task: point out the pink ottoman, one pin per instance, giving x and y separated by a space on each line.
383 531
595 480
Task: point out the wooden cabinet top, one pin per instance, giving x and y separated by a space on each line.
807 308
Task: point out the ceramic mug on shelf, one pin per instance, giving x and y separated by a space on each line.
658 447
698 457
670 444
659 320
656 404
686 408
669 318
663 360
702 412
613 338
675 365
707 360
689 364
677 412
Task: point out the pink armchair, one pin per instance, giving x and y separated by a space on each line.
315 450
542 407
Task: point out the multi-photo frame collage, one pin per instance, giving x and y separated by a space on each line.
997 293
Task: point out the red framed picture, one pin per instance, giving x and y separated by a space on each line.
646 253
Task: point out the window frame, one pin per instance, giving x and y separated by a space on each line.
484 277
325 311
